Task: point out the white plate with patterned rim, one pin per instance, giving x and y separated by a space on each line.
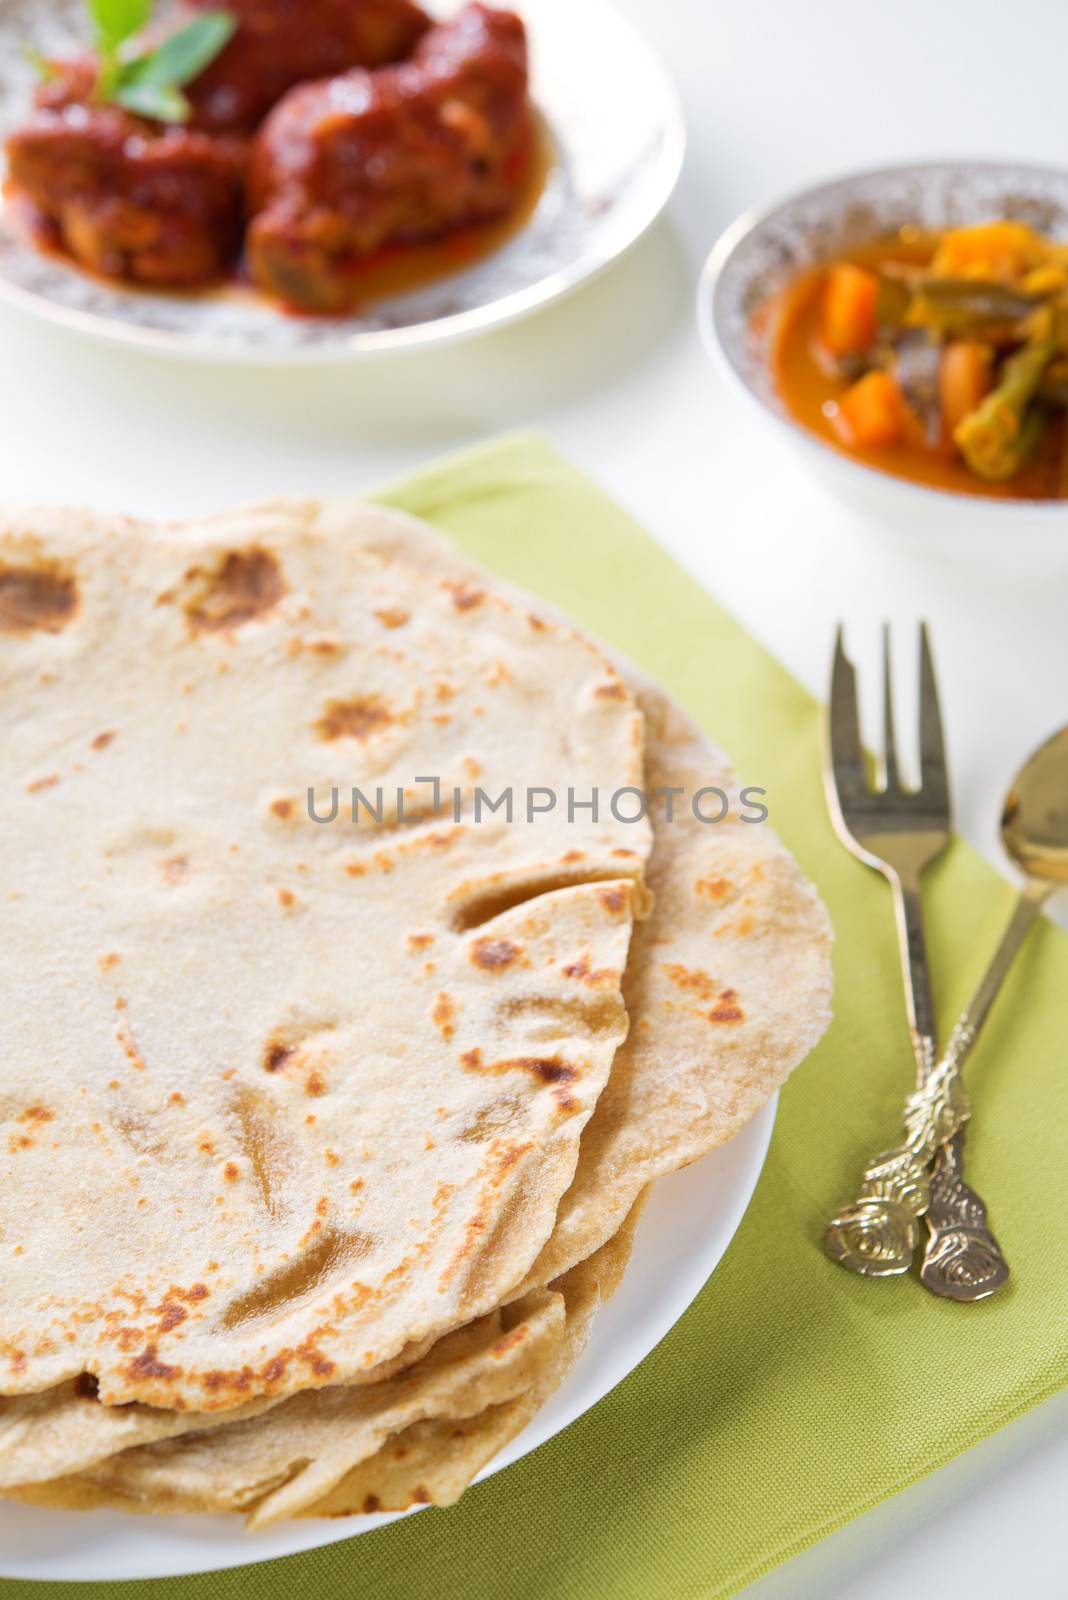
617 138
688 1223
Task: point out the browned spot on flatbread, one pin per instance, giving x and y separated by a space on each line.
581 971
101 740
175 869
42 598
37 1113
444 1014
393 616
246 584
322 644
170 1315
357 718
691 979
718 889
614 689
550 1069
465 598
148 1365
129 1046
277 1055
38 785
614 897
492 954
282 807
726 1009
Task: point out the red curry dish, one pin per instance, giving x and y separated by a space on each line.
342 168
151 203
407 132
280 43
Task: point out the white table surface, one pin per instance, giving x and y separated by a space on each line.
777 95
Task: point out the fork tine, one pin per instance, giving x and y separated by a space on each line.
889 743
934 774
847 762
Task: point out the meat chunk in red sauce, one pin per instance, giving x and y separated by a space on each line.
125 197
342 168
165 204
280 43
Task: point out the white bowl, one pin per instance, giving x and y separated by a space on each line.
761 252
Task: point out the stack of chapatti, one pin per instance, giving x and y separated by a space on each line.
326 1127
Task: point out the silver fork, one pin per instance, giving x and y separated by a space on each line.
900 832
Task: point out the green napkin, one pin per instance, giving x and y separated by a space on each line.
791 1396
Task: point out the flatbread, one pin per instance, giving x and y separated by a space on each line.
729 981
433 1461
323 1432
727 988
324 1086
418 1437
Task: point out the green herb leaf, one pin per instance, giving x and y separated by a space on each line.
116 21
163 102
182 57
44 68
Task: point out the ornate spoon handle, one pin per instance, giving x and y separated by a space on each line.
962 1259
877 1235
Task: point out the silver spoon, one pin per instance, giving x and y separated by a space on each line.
962 1260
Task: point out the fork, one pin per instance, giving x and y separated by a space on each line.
899 832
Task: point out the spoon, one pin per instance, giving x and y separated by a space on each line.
962 1260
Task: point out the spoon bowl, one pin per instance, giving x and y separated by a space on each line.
1034 822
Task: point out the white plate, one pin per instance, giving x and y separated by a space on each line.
618 132
687 1225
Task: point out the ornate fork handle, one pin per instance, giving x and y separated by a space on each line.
878 1234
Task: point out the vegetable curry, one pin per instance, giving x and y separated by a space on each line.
942 358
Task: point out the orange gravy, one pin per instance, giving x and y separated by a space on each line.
808 390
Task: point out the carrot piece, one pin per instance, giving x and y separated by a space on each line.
1003 251
871 412
964 381
847 316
